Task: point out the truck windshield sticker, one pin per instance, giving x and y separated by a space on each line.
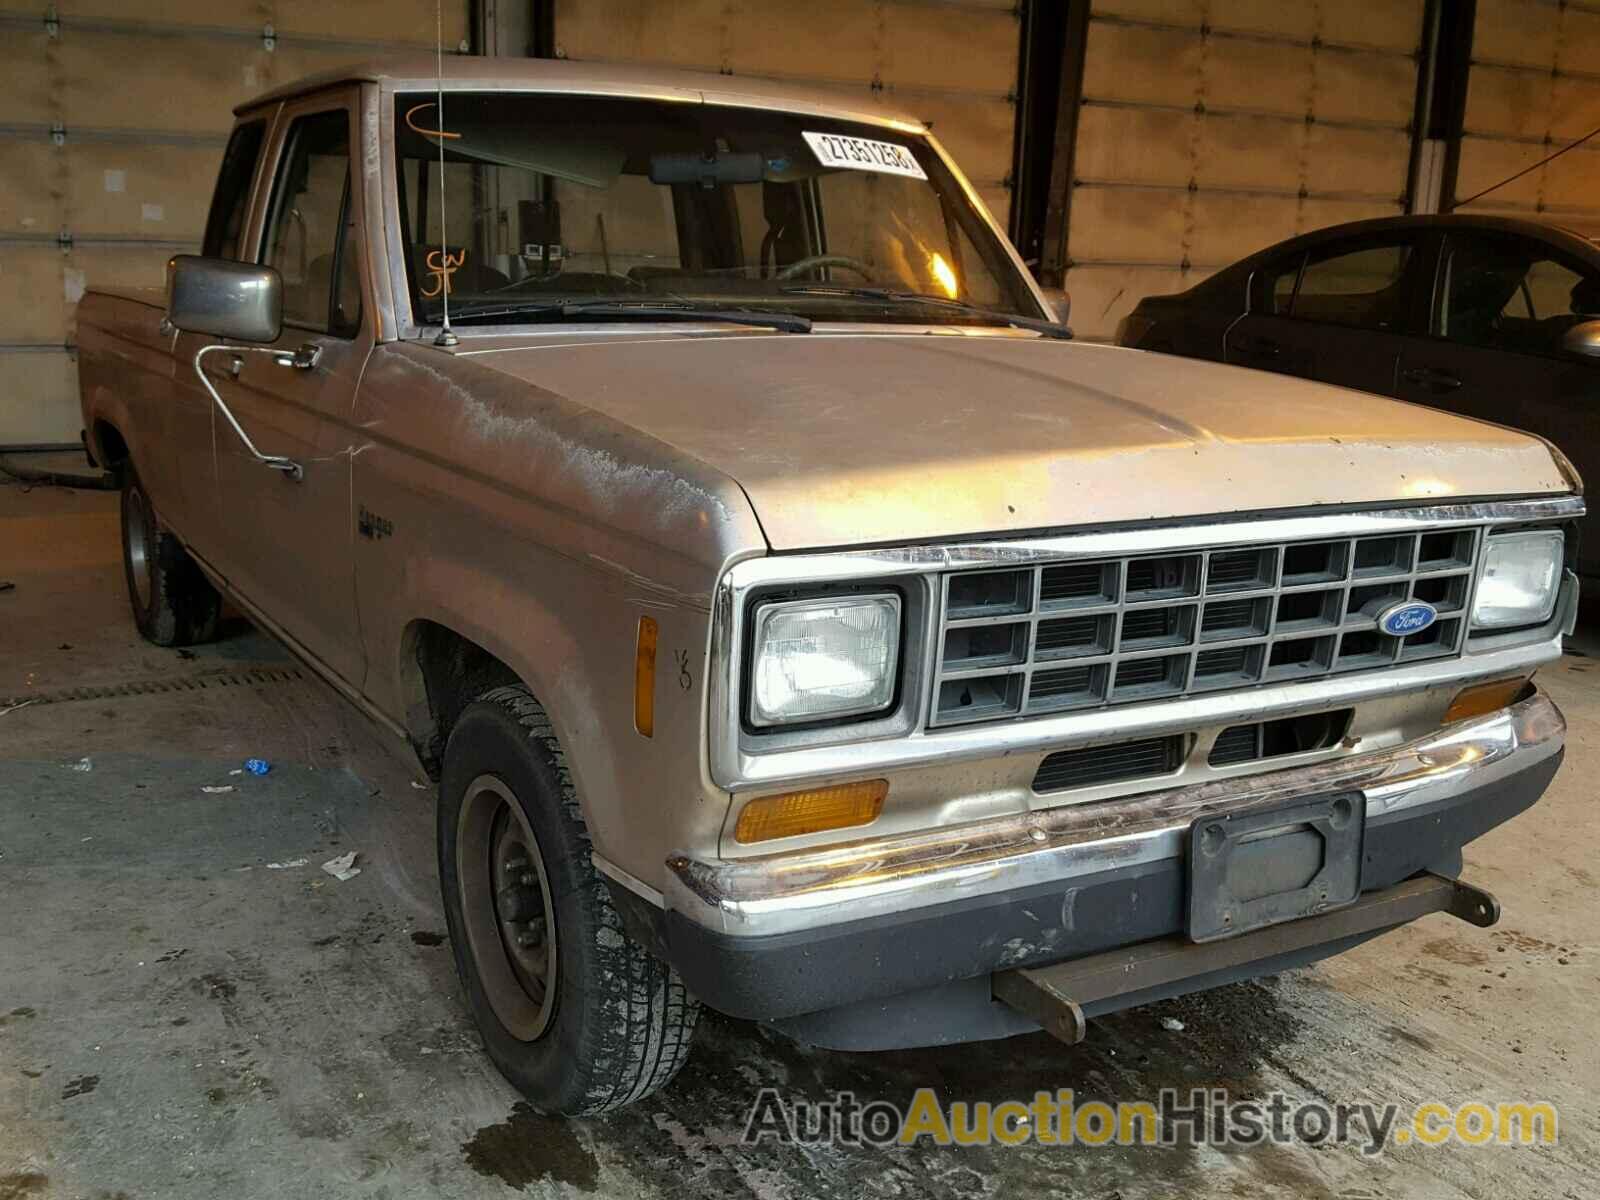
863 154
441 265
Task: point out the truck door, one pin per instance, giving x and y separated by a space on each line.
190 434
287 538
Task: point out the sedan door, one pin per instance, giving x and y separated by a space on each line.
1338 312
288 535
1502 307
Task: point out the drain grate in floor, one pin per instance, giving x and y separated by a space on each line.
247 677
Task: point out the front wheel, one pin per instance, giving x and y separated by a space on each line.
173 602
574 1012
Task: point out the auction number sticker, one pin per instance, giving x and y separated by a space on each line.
863 154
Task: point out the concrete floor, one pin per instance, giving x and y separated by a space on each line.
178 1017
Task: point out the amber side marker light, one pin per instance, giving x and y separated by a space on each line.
644 679
794 813
1484 698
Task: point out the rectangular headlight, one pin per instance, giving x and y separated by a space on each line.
1521 575
817 659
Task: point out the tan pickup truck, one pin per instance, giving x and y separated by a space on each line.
797 622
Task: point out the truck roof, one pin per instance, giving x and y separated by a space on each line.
475 73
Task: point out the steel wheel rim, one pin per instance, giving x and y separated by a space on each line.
139 522
506 908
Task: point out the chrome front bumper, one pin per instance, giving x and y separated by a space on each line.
816 889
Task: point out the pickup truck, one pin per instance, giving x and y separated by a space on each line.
795 620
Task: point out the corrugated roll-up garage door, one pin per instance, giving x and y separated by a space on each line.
1211 129
953 63
114 117
1534 88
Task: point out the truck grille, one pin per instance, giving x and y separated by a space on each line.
1037 640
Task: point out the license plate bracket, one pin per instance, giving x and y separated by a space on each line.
1258 868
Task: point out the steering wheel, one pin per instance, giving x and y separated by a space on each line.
801 265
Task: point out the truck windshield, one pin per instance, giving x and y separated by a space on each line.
552 200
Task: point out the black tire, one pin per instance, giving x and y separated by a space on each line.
617 1023
173 602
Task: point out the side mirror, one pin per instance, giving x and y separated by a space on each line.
222 298
1583 339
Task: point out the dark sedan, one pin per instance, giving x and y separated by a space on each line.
1483 316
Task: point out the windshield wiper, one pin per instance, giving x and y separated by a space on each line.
1037 325
786 322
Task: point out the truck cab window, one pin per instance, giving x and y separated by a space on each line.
231 201
308 232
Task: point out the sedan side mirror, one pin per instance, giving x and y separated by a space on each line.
222 298
1583 339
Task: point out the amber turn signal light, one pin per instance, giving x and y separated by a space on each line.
1483 698
644 679
794 813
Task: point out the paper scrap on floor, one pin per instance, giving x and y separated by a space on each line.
342 868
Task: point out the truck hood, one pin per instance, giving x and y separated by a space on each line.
851 439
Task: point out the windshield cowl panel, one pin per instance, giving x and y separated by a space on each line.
515 333
556 201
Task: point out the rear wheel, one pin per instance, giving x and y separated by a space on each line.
173 602
575 1013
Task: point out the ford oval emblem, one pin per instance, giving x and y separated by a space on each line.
1407 617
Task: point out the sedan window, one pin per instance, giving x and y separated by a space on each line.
1359 287
1505 294
1278 285
1365 286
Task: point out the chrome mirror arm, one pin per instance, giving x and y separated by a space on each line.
277 462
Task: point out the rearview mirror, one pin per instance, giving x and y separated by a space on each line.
222 298
1583 339
707 170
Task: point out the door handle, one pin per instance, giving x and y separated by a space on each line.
277 462
1433 378
1258 347
303 359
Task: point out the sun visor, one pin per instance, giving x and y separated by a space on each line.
588 163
